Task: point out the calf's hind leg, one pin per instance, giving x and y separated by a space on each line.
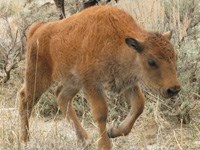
136 98
35 85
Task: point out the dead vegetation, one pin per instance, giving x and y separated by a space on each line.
165 124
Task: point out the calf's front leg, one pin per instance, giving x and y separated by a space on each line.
137 99
99 111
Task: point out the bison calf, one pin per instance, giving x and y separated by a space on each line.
99 48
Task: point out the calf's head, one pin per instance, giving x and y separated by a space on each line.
157 60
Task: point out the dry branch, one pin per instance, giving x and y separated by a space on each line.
10 51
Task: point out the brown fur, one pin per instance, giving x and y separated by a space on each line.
99 48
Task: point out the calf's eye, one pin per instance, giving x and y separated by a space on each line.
152 63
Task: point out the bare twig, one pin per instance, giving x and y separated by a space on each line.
10 54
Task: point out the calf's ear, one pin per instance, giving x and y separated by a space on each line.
168 35
135 44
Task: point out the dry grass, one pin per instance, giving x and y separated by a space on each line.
56 133
159 127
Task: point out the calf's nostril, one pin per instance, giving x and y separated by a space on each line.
173 90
